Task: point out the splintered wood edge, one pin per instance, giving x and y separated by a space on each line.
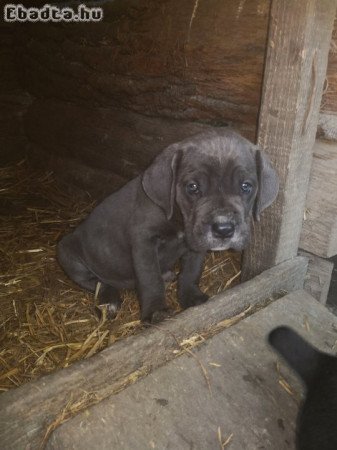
26 413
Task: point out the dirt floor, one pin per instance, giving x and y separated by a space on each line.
46 321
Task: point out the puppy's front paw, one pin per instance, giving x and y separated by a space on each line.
192 297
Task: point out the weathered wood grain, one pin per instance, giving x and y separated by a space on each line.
327 127
327 124
318 277
184 60
26 412
120 141
319 231
111 95
13 100
298 46
329 99
175 407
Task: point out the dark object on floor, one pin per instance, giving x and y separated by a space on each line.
198 195
316 427
332 294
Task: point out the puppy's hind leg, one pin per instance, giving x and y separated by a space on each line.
71 263
109 299
68 257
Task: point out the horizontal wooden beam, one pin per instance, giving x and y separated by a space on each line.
26 412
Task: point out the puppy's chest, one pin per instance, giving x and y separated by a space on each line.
172 240
172 237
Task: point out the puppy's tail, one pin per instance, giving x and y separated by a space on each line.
299 354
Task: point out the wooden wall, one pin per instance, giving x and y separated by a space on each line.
109 96
319 232
327 128
14 100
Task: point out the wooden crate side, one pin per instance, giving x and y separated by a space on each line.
327 124
184 60
319 231
329 99
318 277
295 70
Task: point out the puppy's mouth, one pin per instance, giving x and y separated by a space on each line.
237 242
223 238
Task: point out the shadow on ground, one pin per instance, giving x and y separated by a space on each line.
332 295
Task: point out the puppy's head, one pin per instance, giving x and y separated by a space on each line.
218 180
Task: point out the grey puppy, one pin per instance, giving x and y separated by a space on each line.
197 195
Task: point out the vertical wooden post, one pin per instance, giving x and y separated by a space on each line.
295 69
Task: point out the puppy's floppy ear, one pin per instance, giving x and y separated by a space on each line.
268 183
159 179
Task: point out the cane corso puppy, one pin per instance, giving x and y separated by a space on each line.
197 195
317 419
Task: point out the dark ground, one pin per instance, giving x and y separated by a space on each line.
332 296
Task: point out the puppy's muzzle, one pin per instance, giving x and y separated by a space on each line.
223 229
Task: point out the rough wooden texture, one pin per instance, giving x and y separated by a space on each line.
26 412
319 231
187 60
112 94
98 182
317 280
298 44
13 100
108 139
175 407
327 126
329 99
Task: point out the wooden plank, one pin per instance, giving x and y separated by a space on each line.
329 99
26 412
318 278
327 123
296 61
14 99
98 182
184 60
327 126
319 231
101 139
248 399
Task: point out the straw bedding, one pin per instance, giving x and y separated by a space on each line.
46 321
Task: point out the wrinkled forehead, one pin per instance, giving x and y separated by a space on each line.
219 153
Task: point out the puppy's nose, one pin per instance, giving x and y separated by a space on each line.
223 229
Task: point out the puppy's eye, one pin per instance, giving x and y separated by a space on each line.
192 187
246 187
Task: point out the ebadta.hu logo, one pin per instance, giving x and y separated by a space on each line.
52 13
